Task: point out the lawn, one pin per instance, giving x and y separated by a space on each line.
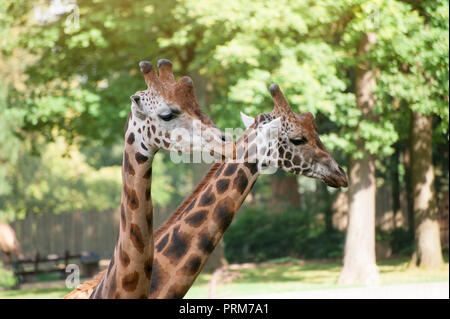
274 277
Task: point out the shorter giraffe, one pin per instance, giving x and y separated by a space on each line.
156 114
184 243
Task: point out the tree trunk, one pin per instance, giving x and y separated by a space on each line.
284 188
395 186
428 245
359 259
409 196
328 208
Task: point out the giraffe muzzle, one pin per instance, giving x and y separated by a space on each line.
336 178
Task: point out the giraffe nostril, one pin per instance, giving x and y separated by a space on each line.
223 137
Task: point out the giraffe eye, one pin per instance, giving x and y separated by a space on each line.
299 140
167 116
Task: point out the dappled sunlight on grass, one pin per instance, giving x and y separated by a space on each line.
298 273
295 277
279 278
402 272
52 293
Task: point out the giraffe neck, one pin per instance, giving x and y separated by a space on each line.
184 243
129 271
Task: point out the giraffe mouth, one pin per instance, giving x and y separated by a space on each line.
336 181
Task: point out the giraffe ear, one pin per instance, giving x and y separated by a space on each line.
136 106
248 120
276 123
270 128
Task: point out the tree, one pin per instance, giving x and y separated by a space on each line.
428 242
311 53
81 76
428 252
284 189
359 260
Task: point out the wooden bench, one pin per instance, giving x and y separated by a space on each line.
27 268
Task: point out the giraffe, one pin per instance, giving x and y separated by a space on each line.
184 243
155 115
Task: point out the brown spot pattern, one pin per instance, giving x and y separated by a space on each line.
149 220
123 257
222 185
230 169
207 198
136 238
148 268
162 243
178 245
132 199
197 218
159 277
224 213
140 158
206 243
123 220
240 182
148 173
191 266
253 167
130 281
127 165
130 139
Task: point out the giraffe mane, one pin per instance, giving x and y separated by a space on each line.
188 200
86 287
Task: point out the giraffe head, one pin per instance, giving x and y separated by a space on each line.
168 116
295 147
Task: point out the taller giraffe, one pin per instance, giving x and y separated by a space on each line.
166 105
184 243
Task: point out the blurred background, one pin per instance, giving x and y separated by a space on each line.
374 73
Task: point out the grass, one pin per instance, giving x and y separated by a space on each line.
291 278
276 277
51 293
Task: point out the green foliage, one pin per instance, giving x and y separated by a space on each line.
74 82
57 181
402 242
7 278
259 235
77 85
